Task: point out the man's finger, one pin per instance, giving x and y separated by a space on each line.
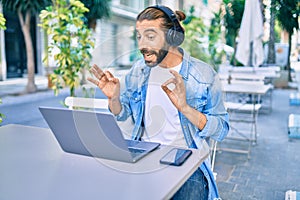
176 74
97 69
109 75
169 81
93 80
166 89
98 73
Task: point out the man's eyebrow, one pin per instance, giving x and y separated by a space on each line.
147 30
151 30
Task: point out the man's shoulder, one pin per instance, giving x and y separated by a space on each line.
202 69
195 63
199 64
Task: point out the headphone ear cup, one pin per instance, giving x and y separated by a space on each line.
169 36
174 37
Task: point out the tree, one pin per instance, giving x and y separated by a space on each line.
288 13
232 20
233 17
3 27
98 9
271 44
71 42
25 10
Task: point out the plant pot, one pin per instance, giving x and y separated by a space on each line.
283 80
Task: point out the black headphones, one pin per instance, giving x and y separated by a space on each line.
175 35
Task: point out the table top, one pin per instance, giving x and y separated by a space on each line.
246 88
242 76
33 166
270 72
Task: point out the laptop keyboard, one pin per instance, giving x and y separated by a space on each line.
131 143
136 151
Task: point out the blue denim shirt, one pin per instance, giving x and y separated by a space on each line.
203 92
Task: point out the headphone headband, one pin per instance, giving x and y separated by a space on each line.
175 35
171 15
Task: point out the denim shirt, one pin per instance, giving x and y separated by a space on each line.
203 93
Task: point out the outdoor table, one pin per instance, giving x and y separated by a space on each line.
250 108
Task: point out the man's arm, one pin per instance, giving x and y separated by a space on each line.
110 86
194 116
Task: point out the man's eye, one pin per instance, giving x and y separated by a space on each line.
151 37
138 37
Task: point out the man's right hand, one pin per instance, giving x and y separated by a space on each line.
108 84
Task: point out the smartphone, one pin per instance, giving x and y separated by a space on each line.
176 156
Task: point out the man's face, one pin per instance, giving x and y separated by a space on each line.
151 41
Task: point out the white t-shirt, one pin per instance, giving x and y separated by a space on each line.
161 118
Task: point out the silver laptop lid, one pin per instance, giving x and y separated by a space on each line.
87 133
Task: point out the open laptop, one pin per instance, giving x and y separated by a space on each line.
94 134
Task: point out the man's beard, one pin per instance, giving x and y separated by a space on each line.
160 55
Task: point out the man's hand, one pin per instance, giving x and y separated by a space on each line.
178 98
108 84
177 95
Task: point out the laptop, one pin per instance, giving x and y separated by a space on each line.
95 134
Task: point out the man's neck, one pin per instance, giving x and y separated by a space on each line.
173 58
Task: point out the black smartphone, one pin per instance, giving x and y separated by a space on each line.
176 156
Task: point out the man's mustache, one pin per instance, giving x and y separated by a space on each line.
147 51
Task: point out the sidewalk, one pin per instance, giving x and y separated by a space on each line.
12 91
273 167
16 86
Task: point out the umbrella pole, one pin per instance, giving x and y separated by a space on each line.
250 61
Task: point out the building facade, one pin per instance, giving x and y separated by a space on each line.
115 44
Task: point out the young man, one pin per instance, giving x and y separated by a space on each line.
171 97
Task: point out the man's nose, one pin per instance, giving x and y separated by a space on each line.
143 43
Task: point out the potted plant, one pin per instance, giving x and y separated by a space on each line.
71 42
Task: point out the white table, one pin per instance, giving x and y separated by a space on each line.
268 73
34 167
255 90
245 88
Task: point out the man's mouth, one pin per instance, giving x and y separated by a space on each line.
148 56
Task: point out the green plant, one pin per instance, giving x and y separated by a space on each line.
195 36
2 22
71 42
202 42
215 46
1 115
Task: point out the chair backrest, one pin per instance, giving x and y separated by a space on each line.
82 102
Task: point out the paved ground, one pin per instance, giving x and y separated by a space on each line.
272 169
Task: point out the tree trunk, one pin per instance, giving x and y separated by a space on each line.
288 65
92 23
30 87
271 44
